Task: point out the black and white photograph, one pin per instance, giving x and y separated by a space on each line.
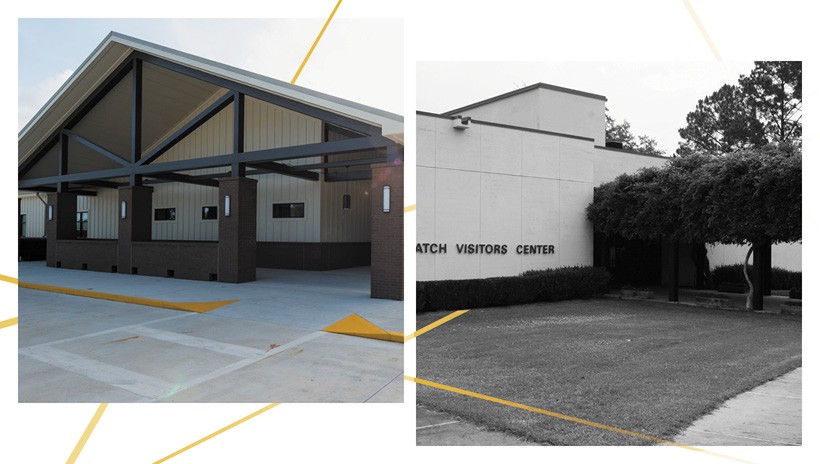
628 247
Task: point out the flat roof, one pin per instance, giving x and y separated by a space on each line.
507 126
539 85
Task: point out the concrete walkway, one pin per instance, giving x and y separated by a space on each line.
267 347
770 414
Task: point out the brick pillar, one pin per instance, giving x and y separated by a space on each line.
136 227
237 232
63 223
387 232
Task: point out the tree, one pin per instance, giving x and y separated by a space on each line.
623 133
722 122
775 90
764 107
749 197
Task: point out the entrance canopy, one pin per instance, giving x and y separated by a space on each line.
131 101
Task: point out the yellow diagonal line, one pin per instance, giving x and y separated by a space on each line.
432 326
561 416
407 209
702 30
8 323
315 42
193 306
11 280
223 429
80 444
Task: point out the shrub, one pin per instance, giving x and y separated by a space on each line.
532 286
782 279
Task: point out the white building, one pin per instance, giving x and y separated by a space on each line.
503 186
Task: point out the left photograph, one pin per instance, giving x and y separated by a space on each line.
206 214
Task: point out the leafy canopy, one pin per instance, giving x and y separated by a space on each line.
747 196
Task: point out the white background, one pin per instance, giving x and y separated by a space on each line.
649 30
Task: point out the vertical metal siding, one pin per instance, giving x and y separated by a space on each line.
35 212
269 126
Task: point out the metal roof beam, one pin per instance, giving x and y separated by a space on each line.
186 179
361 144
103 151
286 170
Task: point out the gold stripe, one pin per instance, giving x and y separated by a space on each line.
80 444
410 208
223 429
315 42
702 30
8 279
8 323
197 307
562 416
432 326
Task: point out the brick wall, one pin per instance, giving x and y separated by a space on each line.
312 256
387 233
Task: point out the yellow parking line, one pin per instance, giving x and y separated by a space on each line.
11 280
432 326
84 438
223 429
357 326
561 416
8 323
197 306
407 209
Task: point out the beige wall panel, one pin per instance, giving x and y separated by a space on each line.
35 212
500 150
102 213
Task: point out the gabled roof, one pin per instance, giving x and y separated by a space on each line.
528 88
116 48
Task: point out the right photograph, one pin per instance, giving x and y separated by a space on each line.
609 253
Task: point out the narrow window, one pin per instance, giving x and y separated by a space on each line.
23 225
288 210
82 224
209 212
165 214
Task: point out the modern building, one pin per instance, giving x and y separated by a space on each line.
151 161
503 185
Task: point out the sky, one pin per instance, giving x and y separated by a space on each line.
653 96
50 50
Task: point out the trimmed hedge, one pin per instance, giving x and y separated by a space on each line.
733 273
533 286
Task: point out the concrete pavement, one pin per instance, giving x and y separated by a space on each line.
267 347
770 414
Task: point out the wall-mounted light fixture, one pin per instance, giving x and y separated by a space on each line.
227 206
123 208
386 199
50 213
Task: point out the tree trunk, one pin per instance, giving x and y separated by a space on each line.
673 287
748 280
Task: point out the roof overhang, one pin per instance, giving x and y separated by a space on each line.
116 48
